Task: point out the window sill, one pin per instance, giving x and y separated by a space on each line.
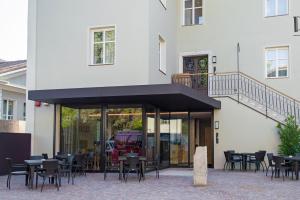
192 25
275 78
272 16
96 65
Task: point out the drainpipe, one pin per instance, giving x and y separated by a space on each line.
238 50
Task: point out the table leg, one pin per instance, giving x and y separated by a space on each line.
244 157
121 174
143 169
297 170
31 176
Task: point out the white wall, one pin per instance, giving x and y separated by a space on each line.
243 130
228 22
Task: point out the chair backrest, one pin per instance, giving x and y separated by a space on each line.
80 159
50 166
45 156
226 154
133 162
36 157
260 155
270 158
9 164
278 160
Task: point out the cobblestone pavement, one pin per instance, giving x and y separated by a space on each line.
174 184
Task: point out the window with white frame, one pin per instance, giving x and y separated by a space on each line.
162 55
277 62
7 109
276 7
193 12
102 46
164 3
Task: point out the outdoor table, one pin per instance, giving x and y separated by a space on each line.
296 161
244 158
32 165
124 158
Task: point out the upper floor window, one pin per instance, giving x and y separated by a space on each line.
276 7
164 3
162 55
7 109
277 62
102 46
193 12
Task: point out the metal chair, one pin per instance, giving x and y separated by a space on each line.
79 164
111 165
66 168
153 165
50 170
15 170
132 165
270 163
280 167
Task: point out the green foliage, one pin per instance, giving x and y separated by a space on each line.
289 136
68 116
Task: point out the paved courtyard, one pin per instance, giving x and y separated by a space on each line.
174 184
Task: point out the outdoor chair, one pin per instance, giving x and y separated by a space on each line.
15 170
153 165
258 159
66 170
79 165
90 160
231 160
45 156
280 167
270 163
112 164
132 165
49 170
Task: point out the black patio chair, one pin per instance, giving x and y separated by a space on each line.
45 156
66 169
90 160
79 165
153 165
270 163
132 165
111 165
232 160
280 167
49 170
15 170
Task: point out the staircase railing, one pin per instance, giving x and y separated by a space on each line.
245 90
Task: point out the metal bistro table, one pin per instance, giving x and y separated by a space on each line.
142 160
244 157
296 161
32 165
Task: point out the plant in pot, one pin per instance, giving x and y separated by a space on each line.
289 136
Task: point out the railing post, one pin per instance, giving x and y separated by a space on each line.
295 113
266 100
238 86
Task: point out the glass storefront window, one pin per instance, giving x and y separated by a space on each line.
124 132
151 134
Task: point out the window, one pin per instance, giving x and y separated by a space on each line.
276 7
162 55
277 62
102 46
164 3
8 110
193 12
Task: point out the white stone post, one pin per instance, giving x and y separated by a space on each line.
200 166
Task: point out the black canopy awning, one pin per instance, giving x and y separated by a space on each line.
171 97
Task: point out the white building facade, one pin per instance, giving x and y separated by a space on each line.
242 55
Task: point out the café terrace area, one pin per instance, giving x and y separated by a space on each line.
172 184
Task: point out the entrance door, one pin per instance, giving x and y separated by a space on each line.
203 134
198 66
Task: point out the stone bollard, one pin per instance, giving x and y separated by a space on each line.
200 166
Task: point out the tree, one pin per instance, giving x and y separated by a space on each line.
289 136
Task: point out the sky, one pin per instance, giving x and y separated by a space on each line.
13 29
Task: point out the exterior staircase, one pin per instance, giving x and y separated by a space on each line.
246 91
